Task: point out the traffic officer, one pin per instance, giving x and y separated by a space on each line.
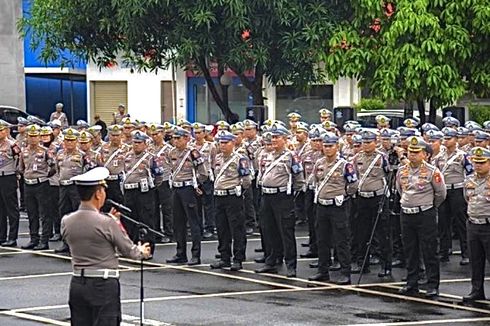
139 187
37 166
372 168
232 176
96 132
9 208
294 118
253 143
422 190
477 194
332 220
112 156
301 147
188 171
163 193
208 152
96 240
128 126
117 117
70 162
325 115
281 178
454 209
58 114
382 121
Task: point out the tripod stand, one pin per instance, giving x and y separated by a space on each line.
386 194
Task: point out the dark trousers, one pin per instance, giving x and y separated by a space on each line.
367 213
9 208
95 302
230 223
310 210
142 205
163 209
332 229
206 206
114 193
249 208
279 222
300 207
37 202
479 250
260 220
69 199
185 210
53 211
453 209
419 234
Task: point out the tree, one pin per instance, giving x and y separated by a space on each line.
415 50
277 39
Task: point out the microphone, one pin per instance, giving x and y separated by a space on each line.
120 206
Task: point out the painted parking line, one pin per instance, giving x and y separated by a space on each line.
40 319
428 322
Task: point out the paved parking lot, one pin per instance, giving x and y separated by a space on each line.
34 287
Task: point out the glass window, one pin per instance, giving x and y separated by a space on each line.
307 103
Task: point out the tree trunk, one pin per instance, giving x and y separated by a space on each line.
421 107
255 85
432 112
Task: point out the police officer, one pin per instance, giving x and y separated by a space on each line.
282 177
128 127
139 187
70 162
37 166
58 114
96 132
188 171
96 240
372 168
232 176
332 220
477 194
112 156
253 143
325 115
9 209
456 166
117 117
422 190
163 193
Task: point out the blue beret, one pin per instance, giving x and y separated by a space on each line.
279 130
462 131
225 136
22 121
350 127
407 132
471 124
449 132
357 139
249 124
435 134
429 126
139 135
302 126
35 120
267 137
386 133
451 122
481 136
316 133
330 138
180 132
368 135
82 124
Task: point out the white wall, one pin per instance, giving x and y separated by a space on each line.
144 90
346 92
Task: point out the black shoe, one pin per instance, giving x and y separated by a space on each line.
305 244
194 261
343 280
320 277
373 261
397 263
464 261
55 237
444 259
313 264
473 296
431 293
236 266
259 260
30 245
220 264
266 269
357 270
408 290
217 256
163 240
41 246
335 267
9 243
249 231
208 235
300 222
258 250
384 272
291 272
177 260
309 254
63 249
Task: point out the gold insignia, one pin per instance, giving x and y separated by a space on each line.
196 126
153 127
222 124
479 152
409 123
115 128
414 141
247 123
69 132
382 120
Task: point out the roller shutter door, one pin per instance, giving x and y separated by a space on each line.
107 96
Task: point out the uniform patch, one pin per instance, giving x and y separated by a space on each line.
437 177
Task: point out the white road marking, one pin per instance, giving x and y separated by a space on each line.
427 322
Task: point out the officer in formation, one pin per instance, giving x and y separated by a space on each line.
95 241
149 164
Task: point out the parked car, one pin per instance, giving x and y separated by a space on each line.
367 119
10 114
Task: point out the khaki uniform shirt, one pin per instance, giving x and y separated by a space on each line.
96 239
375 179
21 140
236 173
113 157
9 153
70 164
477 194
288 171
35 163
343 180
60 116
208 152
144 161
421 186
456 166
308 159
186 171
162 160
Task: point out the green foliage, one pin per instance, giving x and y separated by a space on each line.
370 104
479 113
421 50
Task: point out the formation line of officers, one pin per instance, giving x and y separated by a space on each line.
419 185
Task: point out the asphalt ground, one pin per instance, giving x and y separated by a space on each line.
34 290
